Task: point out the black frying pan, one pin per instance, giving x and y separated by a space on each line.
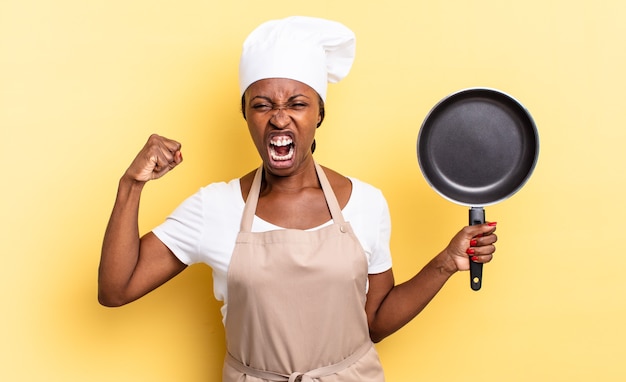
477 147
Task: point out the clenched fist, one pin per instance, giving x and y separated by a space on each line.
156 158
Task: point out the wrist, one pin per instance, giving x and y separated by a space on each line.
129 188
445 264
127 181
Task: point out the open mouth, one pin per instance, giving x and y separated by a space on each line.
281 148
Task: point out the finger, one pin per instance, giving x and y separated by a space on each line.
481 258
164 161
171 145
489 239
178 157
482 240
171 154
481 251
162 165
482 230
159 144
490 227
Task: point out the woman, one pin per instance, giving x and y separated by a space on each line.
303 265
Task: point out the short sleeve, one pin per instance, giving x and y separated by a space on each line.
181 231
380 260
368 214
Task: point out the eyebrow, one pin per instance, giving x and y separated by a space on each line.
293 97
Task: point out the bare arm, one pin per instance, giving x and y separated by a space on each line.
389 307
131 266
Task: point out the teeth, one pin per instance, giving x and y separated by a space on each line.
277 157
282 141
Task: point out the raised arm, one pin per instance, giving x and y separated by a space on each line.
389 307
131 266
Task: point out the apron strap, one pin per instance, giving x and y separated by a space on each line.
251 202
331 199
309 376
253 198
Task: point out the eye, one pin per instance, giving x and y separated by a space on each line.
261 107
298 105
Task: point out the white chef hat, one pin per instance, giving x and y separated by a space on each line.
306 49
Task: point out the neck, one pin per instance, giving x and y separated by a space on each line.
305 177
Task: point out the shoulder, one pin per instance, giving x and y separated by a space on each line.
363 188
366 199
214 197
341 185
226 189
245 183
355 193
337 180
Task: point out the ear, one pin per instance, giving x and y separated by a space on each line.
320 118
322 113
243 106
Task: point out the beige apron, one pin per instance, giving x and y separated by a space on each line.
296 302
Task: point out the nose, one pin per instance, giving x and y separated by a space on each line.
280 118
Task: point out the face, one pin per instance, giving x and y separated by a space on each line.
282 117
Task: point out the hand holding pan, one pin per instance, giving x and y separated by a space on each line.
477 147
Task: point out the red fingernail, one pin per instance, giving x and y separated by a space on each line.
492 224
473 242
474 258
470 251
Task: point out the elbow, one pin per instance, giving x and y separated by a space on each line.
109 303
376 336
112 293
110 300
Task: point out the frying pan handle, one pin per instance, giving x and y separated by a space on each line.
476 216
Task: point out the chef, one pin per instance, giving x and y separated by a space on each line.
300 253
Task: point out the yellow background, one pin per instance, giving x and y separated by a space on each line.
83 84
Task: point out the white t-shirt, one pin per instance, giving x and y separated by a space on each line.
203 229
